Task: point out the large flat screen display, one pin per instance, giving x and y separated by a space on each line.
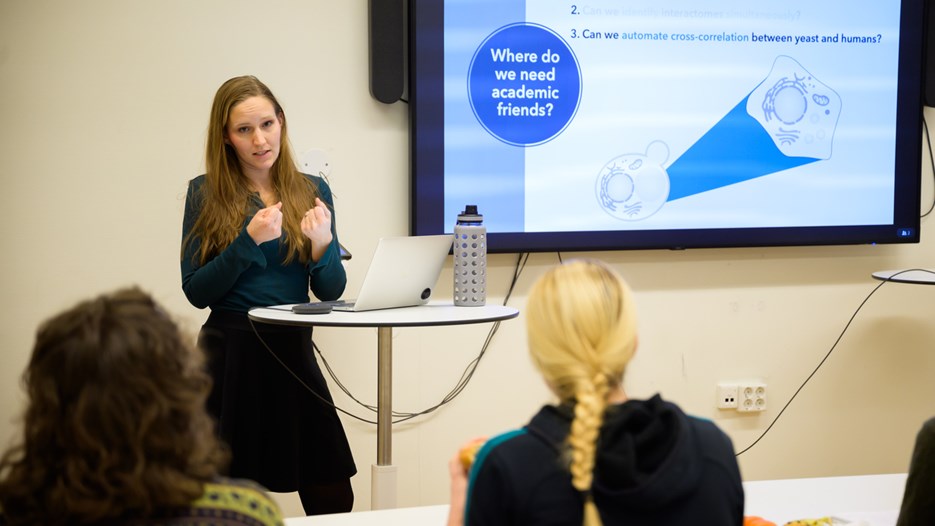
604 125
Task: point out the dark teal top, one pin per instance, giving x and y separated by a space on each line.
246 275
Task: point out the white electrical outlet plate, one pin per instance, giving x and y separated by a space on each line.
751 397
745 397
727 396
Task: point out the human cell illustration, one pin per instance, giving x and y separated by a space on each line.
798 111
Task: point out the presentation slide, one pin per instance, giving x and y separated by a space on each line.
663 114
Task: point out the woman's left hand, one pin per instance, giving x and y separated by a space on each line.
316 225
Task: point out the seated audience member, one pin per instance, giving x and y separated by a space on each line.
115 427
596 457
918 507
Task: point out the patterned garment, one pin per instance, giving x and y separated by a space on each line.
224 503
229 503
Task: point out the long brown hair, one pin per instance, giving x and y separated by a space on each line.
115 424
225 197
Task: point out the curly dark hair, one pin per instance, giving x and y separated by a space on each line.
115 425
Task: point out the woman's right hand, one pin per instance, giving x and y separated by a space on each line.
266 225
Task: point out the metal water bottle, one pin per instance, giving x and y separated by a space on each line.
470 259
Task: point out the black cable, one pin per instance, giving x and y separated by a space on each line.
466 375
928 140
469 370
305 385
781 411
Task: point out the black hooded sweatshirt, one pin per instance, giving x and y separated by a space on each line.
654 466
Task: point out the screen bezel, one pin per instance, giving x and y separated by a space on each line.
426 83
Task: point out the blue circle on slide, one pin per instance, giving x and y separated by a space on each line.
524 84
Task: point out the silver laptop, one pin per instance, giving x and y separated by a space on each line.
402 273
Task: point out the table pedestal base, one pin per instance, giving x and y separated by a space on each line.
382 487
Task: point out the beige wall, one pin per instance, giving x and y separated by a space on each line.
103 108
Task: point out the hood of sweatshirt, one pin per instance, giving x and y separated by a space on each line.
648 454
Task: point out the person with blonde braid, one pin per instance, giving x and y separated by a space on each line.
596 457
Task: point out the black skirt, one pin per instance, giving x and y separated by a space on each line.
280 434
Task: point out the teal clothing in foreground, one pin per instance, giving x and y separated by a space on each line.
246 275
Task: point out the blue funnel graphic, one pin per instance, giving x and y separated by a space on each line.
736 149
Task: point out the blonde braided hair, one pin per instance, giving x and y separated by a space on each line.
591 400
581 328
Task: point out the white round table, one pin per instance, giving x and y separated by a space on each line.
383 481
918 276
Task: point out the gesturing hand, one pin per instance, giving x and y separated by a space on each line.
316 225
266 225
